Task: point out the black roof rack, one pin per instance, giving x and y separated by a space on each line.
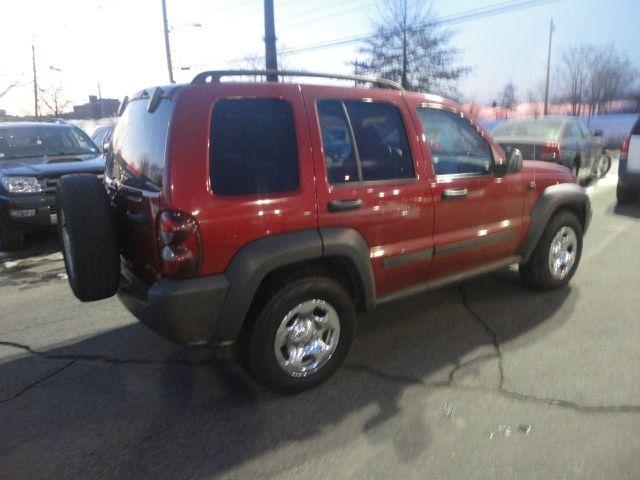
214 76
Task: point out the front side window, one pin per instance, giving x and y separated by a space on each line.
253 147
381 147
456 146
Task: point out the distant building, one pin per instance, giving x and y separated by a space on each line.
96 108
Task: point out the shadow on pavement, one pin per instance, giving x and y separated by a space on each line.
631 210
40 242
129 417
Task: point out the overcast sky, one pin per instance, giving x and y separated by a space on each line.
119 43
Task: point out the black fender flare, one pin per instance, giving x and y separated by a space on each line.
555 197
256 260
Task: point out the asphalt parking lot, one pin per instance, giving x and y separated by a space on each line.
483 380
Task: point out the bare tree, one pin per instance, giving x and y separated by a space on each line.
408 46
508 99
610 76
573 75
257 61
53 97
534 102
10 86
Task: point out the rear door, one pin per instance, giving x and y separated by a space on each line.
478 217
135 173
370 177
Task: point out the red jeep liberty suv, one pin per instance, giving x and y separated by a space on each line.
266 215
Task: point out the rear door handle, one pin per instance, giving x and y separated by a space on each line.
453 193
137 217
344 205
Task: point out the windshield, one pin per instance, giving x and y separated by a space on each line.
41 140
538 129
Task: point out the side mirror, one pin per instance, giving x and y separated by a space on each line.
515 161
597 132
106 146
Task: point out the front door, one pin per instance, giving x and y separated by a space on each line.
370 177
478 217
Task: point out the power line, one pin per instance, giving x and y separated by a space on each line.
326 15
483 12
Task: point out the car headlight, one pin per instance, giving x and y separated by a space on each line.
21 184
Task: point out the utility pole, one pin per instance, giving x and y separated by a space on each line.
100 101
546 89
167 46
35 78
271 55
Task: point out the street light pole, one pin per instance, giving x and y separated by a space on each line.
35 78
166 40
271 55
546 89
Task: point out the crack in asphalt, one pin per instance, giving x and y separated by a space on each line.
367 369
488 330
110 360
501 390
37 382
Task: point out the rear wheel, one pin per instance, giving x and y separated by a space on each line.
556 257
302 334
88 241
11 238
603 166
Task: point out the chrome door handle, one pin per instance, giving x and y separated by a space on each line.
344 205
453 193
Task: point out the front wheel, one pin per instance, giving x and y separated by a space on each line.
302 334
556 257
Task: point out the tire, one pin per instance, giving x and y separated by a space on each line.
624 194
287 313
11 238
602 167
89 246
538 272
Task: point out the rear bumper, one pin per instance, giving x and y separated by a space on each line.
184 311
26 211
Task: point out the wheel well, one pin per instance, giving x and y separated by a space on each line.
577 209
341 269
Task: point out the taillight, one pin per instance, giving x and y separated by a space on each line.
625 146
179 242
550 151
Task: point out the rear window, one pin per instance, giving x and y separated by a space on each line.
536 129
139 145
253 147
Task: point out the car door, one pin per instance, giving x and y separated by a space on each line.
592 144
578 145
370 178
478 216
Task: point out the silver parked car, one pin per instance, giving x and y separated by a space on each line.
564 140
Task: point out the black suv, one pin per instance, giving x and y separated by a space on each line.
33 156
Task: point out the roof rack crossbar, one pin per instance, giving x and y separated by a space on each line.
215 75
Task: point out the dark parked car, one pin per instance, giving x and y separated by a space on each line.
267 215
629 167
33 156
101 136
564 140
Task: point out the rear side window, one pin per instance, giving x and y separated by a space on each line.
253 147
381 148
137 158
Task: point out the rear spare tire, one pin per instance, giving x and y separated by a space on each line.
88 241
